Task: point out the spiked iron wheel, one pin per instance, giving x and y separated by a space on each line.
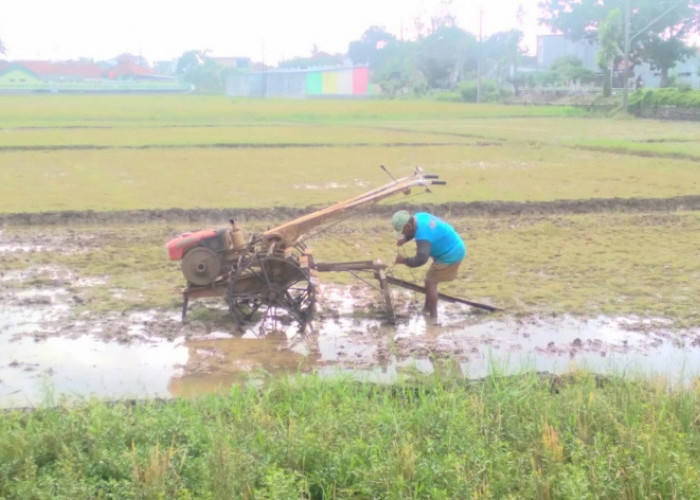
271 291
201 266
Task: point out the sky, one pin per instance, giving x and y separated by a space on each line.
265 30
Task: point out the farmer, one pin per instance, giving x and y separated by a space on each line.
434 238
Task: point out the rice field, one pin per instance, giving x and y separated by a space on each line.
305 436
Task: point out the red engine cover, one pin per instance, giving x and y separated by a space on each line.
178 246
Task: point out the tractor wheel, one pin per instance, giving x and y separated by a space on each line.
271 292
201 266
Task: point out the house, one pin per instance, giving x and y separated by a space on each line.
685 72
13 74
553 47
123 74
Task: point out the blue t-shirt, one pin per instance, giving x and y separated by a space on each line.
446 246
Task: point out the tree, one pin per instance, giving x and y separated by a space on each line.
610 52
396 70
317 59
197 68
445 55
367 49
190 61
571 70
657 27
502 51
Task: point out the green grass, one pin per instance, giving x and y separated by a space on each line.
36 181
135 152
184 136
128 110
303 437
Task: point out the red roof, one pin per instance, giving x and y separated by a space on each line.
124 67
68 68
128 70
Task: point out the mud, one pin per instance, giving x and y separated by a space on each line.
50 355
50 348
476 208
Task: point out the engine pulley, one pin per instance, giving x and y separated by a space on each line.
201 266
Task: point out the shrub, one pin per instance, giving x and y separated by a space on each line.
490 91
684 97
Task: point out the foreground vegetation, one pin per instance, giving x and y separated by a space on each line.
304 437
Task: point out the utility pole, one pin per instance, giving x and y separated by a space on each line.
478 59
625 97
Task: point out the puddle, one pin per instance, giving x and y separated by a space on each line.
36 369
41 372
47 351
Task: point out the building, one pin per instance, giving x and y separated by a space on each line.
123 74
306 83
553 47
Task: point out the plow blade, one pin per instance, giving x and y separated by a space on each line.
380 273
441 296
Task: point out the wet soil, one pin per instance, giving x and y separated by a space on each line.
49 352
50 349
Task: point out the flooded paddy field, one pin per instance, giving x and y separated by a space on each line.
153 354
52 346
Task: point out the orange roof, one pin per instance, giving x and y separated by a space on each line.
82 69
129 70
68 68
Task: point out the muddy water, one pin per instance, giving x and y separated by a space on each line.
46 354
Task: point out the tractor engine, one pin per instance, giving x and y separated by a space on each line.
205 253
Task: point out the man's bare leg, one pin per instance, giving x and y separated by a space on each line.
431 298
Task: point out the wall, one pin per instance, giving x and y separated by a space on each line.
333 82
670 113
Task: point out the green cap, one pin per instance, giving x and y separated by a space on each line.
399 220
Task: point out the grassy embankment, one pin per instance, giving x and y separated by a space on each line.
498 439
307 438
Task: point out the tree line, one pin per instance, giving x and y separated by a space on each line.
446 57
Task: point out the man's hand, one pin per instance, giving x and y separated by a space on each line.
400 259
401 241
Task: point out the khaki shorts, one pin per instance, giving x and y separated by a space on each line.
440 273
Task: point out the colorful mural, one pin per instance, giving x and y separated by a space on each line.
336 82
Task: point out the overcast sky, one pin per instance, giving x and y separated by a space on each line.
264 30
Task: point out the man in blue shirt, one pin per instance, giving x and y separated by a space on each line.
434 238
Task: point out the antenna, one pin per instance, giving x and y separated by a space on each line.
388 173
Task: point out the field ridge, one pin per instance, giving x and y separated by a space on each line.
473 208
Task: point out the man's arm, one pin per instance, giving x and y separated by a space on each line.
421 257
403 240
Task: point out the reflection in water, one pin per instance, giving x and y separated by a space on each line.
34 362
214 365
43 372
